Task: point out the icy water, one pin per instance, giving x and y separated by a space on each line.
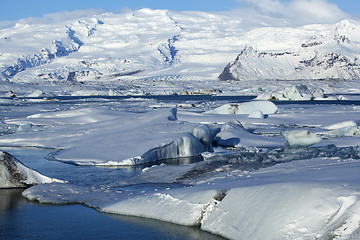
22 219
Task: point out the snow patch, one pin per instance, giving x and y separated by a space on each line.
284 211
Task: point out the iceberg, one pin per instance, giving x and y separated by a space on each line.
14 174
233 134
300 138
347 128
256 114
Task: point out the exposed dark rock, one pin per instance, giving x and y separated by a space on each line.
10 176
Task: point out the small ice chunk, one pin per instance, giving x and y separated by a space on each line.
24 127
300 138
345 131
203 133
173 116
341 125
266 107
348 128
256 114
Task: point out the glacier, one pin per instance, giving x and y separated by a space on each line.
140 89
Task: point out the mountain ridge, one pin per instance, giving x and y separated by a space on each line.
147 43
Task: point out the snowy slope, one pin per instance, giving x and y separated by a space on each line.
158 43
309 52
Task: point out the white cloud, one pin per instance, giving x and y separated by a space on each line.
296 11
60 16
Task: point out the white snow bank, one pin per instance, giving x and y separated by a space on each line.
14 174
232 134
266 107
285 211
185 208
94 136
172 205
300 138
294 93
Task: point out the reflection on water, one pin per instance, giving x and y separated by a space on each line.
20 219
10 199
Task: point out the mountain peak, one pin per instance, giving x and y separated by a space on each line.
147 42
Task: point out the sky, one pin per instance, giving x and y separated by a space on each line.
14 10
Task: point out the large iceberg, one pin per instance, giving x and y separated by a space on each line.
14 174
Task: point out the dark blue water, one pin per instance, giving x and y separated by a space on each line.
177 98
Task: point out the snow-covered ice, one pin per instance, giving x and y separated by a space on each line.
234 135
105 137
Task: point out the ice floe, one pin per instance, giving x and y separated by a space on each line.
266 107
105 137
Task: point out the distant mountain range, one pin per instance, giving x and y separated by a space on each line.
148 43
330 54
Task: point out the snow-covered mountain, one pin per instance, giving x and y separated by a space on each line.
160 43
332 52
